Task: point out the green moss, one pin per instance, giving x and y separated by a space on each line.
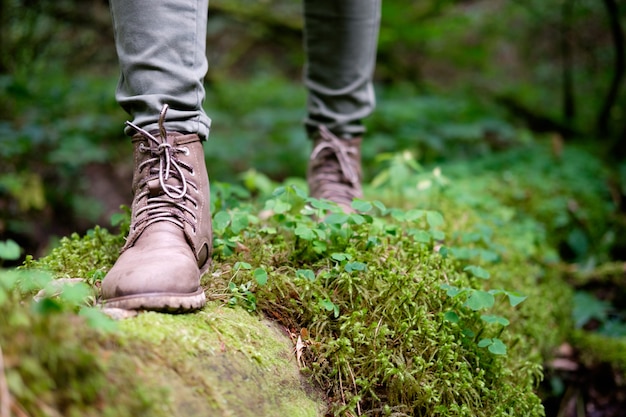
219 361
54 360
380 298
78 256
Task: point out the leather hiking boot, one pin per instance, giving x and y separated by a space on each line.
334 171
169 244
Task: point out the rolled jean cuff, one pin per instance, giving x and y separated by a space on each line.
182 121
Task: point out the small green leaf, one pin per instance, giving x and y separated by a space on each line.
495 319
413 215
304 232
362 206
242 265
451 290
306 273
485 343
434 219
221 221
515 298
321 234
299 192
279 191
355 266
356 218
489 255
497 347
494 345
239 222
380 206
260 275
327 305
336 218
477 271
421 236
118 218
480 300
319 247
372 241
340 256
398 214
438 234
451 316
320 204
461 253
468 332
9 250
281 206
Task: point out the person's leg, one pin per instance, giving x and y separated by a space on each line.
341 41
161 49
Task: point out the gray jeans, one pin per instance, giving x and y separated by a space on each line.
161 46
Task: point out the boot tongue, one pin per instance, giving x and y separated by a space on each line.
154 186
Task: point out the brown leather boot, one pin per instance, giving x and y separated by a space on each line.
334 171
169 244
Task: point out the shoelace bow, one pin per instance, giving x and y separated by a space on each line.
169 165
165 152
340 150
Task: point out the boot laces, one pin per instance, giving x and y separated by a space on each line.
334 169
345 155
159 208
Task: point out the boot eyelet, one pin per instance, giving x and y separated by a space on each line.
192 173
185 150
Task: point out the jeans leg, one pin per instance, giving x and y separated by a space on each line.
161 46
340 40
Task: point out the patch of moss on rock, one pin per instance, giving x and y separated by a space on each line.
53 360
219 361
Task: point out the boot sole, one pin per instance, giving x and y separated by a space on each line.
163 302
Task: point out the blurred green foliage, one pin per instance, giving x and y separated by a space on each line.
455 80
